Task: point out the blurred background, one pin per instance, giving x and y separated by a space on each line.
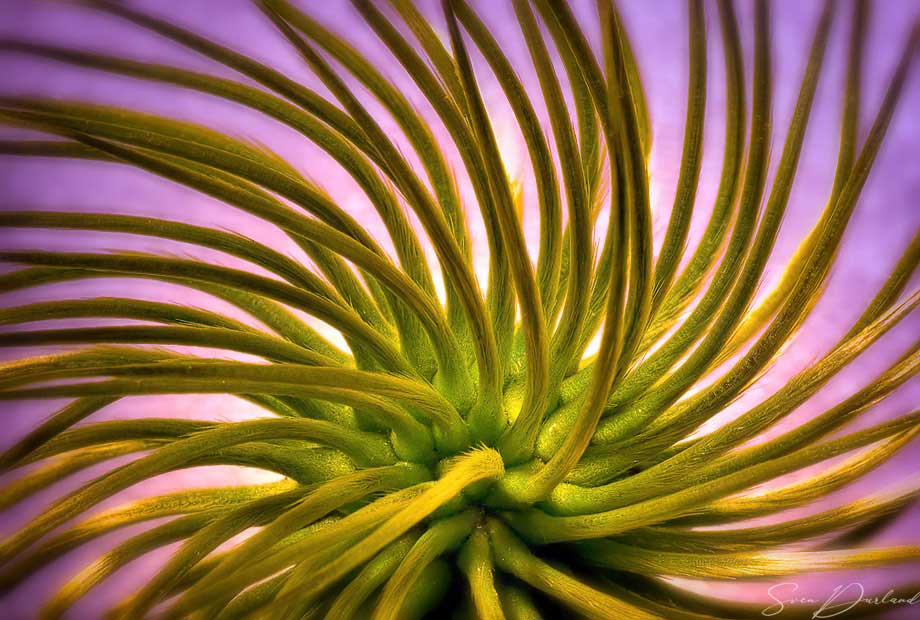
886 218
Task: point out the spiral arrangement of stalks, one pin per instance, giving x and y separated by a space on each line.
526 447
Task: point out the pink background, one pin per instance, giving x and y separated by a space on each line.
885 220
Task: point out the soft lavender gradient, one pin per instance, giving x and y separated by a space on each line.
885 220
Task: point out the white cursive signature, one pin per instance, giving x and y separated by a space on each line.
842 599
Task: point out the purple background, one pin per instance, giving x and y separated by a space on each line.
885 220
